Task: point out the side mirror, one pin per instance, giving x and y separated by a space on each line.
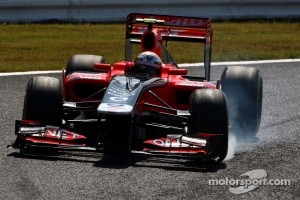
102 67
178 72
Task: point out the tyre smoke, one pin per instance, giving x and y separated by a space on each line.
232 144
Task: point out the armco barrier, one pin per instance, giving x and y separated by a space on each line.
117 10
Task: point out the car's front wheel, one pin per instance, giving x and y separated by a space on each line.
209 116
43 100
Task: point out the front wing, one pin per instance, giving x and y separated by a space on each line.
34 134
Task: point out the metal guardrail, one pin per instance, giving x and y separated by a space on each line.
116 10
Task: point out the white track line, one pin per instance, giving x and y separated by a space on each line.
241 62
30 73
180 65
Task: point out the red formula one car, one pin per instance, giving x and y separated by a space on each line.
149 105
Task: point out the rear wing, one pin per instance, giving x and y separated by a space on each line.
175 28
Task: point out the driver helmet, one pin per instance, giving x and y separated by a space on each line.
149 62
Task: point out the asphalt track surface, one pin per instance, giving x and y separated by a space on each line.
92 176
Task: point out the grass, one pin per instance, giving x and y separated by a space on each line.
49 46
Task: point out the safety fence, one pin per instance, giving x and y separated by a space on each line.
117 10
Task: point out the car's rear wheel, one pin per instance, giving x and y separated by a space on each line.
243 87
43 100
209 115
83 63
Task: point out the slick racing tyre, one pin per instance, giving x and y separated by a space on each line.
43 100
83 63
209 115
243 87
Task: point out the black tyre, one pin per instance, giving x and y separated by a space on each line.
209 115
43 100
243 87
82 62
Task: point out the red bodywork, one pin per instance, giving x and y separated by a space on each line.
175 93
173 75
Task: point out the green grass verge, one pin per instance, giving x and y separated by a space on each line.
49 46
